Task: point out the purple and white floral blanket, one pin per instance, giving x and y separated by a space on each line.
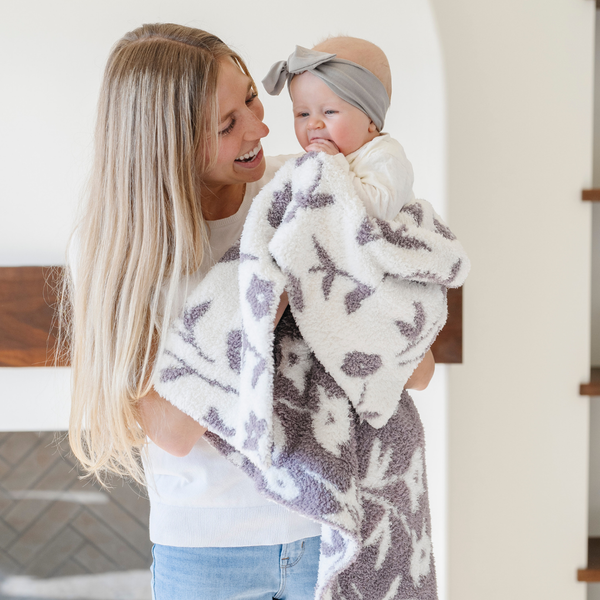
314 409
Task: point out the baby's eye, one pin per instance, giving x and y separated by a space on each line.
302 114
331 112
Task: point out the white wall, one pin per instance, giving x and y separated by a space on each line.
53 55
519 88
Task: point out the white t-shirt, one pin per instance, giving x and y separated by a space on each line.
381 174
203 500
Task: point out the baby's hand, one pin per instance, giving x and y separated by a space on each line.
321 145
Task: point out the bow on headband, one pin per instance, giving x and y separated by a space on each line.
351 82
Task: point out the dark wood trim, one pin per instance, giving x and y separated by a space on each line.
592 388
591 574
447 348
28 298
591 195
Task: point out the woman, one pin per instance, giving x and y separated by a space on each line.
178 159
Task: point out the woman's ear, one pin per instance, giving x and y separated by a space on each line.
372 127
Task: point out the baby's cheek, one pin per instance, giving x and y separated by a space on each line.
301 135
351 141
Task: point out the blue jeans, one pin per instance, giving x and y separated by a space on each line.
286 572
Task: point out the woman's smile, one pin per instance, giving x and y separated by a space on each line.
250 155
251 159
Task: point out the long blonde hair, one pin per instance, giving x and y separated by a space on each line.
141 231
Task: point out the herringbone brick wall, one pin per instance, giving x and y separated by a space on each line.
54 524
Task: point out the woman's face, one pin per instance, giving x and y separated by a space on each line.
240 157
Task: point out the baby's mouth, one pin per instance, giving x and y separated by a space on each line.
249 155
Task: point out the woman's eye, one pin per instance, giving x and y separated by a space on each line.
228 129
251 98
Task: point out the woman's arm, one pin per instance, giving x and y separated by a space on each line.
177 433
168 427
422 375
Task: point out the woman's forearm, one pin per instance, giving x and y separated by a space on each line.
283 302
422 375
177 433
167 426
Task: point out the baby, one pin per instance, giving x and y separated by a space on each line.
340 92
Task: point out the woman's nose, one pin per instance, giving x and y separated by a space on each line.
263 130
257 128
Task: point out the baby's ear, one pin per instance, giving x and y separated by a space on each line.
372 127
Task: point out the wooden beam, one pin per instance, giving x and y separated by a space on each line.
28 297
27 303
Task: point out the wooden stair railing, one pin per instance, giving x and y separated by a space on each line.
591 573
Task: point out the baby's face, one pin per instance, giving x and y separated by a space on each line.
320 114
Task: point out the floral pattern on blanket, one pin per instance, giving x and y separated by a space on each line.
313 410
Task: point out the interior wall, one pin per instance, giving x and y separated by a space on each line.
57 53
519 79
595 341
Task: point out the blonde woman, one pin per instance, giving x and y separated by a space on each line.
178 159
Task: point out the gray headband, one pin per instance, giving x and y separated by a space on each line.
351 82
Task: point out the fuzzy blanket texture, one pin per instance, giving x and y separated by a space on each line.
314 409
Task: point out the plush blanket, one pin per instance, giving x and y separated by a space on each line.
314 409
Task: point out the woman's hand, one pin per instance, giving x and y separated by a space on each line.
168 427
283 302
422 375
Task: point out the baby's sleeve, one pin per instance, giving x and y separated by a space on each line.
383 179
